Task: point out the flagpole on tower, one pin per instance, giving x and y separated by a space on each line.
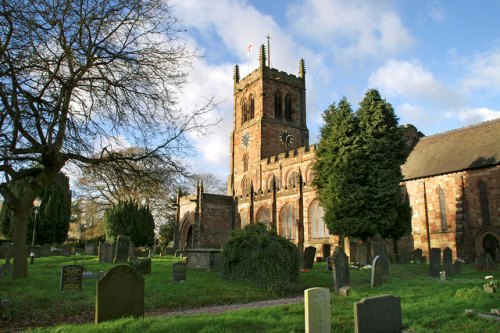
268 49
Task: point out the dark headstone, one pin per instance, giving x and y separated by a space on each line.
71 277
66 250
418 256
143 266
435 262
309 254
497 255
340 269
457 267
329 263
122 247
179 271
353 251
448 262
489 263
89 249
37 250
378 314
55 252
362 254
169 251
45 250
377 278
480 262
105 252
403 259
119 294
131 249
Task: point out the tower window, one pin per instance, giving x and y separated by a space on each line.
288 108
245 163
244 111
277 105
252 108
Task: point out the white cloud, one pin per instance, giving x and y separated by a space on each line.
474 115
352 29
484 72
437 12
409 79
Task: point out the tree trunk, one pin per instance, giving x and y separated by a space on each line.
20 266
395 240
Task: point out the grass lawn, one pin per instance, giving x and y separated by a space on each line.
428 305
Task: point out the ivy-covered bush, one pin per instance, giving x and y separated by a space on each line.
261 256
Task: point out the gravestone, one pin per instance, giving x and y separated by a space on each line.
448 262
179 271
480 262
377 278
143 266
317 310
457 267
55 252
309 254
89 249
378 314
45 250
131 249
362 254
418 256
497 255
353 251
329 263
119 294
122 249
403 259
340 269
66 250
71 277
489 263
379 248
435 262
105 252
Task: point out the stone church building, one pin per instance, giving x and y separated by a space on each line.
452 179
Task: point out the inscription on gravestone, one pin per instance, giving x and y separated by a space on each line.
119 294
179 271
309 254
435 262
317 310
71 277
378 314
340 269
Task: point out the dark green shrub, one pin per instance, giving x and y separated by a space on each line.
129 219
261 256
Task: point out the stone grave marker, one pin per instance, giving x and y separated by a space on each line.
89 249
71 277
418 256
489 263
143 266
45 250
362 254
329 263
377 278
122 247
66 250
497 255
480 262
309 254
105 252
131 249
340 269
119 293
317 310
179 271
55 252
457 267
448 262
435 262
378 314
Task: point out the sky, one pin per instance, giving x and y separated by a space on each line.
436 62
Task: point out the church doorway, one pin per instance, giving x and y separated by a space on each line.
189 238
490 244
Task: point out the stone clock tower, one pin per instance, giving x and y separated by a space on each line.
269 119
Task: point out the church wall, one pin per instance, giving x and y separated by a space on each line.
217 216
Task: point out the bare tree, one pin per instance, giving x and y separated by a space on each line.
74 76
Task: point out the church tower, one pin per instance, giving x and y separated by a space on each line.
269 118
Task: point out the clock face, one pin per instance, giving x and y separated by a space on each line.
245 140
286 138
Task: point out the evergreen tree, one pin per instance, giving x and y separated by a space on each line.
129 219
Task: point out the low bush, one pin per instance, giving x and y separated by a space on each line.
258 255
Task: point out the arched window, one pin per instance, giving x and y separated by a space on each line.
277 105
293 179
245 162
252 108
244 111
483 197
245 187
264 217
442 209
288 222
288 108
318 226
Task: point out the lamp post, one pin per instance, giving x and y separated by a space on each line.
36 203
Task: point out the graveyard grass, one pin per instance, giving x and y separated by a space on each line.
428 304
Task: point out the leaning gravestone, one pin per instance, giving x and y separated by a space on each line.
377 278
362 254
71 277
378 314
179 271
317 310
435 262
418 256
122 246
340 269
105 252
448 262
119 294
309 254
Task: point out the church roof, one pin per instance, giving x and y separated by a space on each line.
465 148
